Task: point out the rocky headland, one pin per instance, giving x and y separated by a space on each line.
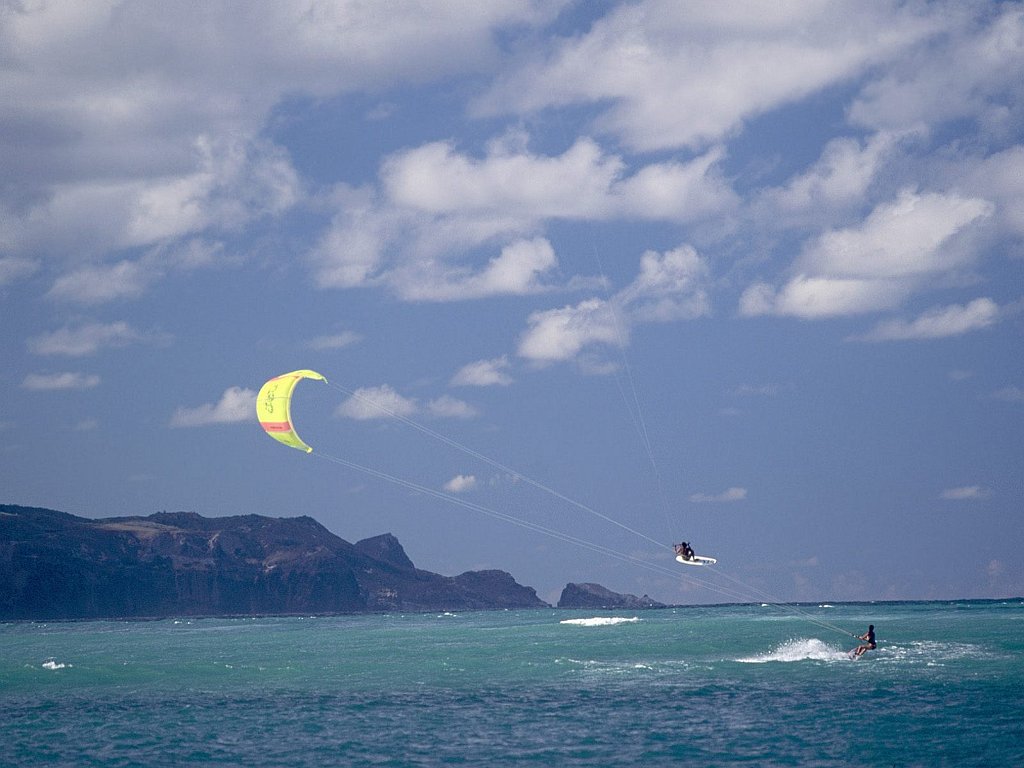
57 566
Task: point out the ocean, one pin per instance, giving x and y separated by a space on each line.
752 685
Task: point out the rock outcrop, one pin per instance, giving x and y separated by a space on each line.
58 566
596 596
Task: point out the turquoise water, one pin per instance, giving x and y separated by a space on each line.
723 685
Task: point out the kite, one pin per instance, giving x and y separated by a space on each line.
273 407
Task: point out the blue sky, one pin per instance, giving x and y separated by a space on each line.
745 274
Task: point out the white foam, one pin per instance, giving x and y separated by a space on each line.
801 649
54 664
600 621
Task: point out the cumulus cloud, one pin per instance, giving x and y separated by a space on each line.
460 484
447 407
1000 178
335 341
484 373
517 270
937 323
96 284
669 286
669 75
874 266
380 402
561 334
835 184
13 269
904 238
115 147
729 494
58 381
757 390
1010 394
438 211
87 339
383 402
237 404
966 493
984 85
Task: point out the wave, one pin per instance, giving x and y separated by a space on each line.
801 649
54 664
600 621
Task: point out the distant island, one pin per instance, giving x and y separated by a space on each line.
57 566
596 596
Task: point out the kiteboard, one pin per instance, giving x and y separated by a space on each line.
696 560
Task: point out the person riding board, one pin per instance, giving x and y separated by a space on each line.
869 642
685 551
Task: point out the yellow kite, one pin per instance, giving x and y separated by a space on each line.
273 407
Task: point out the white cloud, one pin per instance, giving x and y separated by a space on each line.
837 182
1010 394
437 210
937 323
876 265
757 390
129 129
669 286
670 74
13 268
447 407
513 184
460 484
484 373
1000 178
384 402
555 335
225 183
974 70
435 179
86 339
816 297
58 381
966 493
376 403
729 494
904 238
235 405
100 283
335 341
515 271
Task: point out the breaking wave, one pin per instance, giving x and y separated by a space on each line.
801 649
600 621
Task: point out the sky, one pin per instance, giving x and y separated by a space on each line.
585 279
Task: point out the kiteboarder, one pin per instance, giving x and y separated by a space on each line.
869 642
684 550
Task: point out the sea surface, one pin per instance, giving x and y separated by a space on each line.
752 685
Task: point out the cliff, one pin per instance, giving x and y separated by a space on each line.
596 596
58 566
